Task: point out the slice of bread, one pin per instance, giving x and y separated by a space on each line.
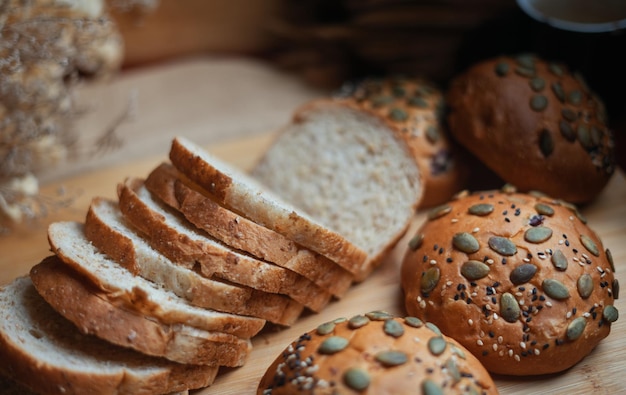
121 287
350 169
84 304
45 353
110 232
232 229
235 189
188 246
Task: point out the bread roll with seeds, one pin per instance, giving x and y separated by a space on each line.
375 353
535 124
520 280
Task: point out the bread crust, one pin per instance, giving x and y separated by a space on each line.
520 280
81 302
240 233
127 372
239 192
535 124
215 259
200 291
305 367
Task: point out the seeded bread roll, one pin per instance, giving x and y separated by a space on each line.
520 280
415 107
375 353
535 124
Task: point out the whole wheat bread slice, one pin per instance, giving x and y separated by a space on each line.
45 353
349 168
106 228
69 242
188 246
235 189
84 304
232 229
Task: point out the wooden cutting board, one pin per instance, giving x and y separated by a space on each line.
602 372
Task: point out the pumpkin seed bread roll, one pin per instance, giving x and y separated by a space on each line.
535 124
520 280
375 353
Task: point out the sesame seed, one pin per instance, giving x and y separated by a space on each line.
454 220
500 339
536 351
568 315
476 230
489 261
517 358
470 322
526 260
433 262
510 353
494 346
479 342
549 304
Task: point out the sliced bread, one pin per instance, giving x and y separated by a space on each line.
348 168
187 245
119 286
45 353
232 229
235 189
83 303
106 228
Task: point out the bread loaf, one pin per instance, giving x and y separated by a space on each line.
520 280
535 124
47 354
375 353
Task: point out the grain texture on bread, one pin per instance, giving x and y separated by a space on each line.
68 241
238 232
520 280
375 353
348 168
235 189
83 303
535 124
188 246
109 232
46 353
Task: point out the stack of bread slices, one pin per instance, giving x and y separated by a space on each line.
157 289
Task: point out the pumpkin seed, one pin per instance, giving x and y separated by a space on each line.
584 136
333 345
457 351
481 209
432 134
398 91
502 245
474 270
356 378
417 102
559 260
453 370
526 60
544 209
555 289
429 387
567 131
398 115
596 135
392 358
326 328
393 328
609 257
575 97
380 101
509 308
523 273
502 68
465 242
437 345
610 313
581 217
546 144
378 315
537 84
576 328
414 322
585 286
439 211
358 321
508 189
433 328
555 69
569 114
615 288
430 279
538 103
538 234
557 88
525 71
416 241
589 245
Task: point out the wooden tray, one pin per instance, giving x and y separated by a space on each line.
602 372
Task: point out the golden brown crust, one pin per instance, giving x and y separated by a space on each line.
82 303
213 259
240 233
535 124
374 353
414 108
201 291
537 275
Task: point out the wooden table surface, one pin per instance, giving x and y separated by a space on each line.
602 372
